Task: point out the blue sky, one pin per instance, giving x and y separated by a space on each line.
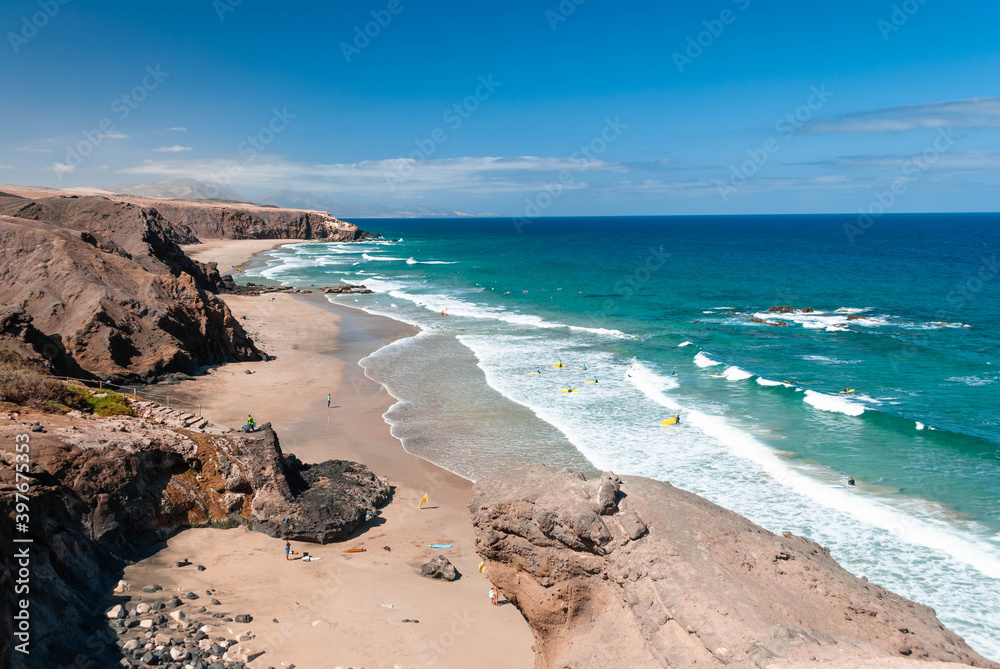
515 108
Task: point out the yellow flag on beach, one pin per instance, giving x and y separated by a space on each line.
482 566
422 501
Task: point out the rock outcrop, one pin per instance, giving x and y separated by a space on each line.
104 311
103 491
630 572
210 220
440 568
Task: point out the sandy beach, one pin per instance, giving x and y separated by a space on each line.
347 609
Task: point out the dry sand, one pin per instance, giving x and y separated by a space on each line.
347 609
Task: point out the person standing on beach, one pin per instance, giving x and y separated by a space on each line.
494 596
328 398
250 422
288 550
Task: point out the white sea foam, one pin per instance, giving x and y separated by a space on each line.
684 343
371 257
734 373
767 383
973 380
908 528
703 360
456 306
919 425
833 404
827 360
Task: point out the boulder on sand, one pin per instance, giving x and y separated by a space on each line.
440 568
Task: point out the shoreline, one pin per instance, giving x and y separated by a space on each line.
317 352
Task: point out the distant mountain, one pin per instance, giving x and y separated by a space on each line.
295 199
178 189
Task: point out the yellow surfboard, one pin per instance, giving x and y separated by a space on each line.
423 501
556 364
356 550
844 392
669 421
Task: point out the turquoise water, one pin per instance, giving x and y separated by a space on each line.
764 430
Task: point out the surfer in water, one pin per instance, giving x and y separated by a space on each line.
595 379
538 370
850 480
677 419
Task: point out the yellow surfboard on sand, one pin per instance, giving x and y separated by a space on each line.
669 421
482 566
423 500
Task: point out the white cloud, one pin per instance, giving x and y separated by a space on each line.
33 150
6 167
114 134
969 113
176 148
967 161
61 168
177 129
399 176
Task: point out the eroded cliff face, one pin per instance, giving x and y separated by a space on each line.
100 313
247 221
630 572
103 491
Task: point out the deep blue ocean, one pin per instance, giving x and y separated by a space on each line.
671 316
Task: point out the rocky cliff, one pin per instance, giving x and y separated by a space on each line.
104 491
630 572
248 221
99 287
81 302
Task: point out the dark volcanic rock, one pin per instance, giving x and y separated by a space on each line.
668 579
331 500
440 568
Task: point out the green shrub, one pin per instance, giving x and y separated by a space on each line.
106 403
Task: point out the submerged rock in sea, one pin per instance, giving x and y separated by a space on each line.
664 578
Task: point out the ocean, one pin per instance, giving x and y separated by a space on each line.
670 316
